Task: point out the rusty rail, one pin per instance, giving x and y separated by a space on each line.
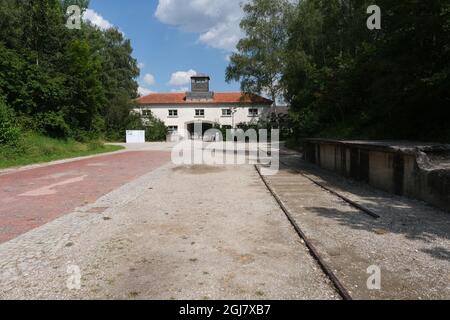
343 292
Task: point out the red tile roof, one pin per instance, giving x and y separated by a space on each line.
219 98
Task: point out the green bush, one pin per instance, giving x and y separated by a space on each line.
9 132
155 129
54 125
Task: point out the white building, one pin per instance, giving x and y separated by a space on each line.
181 111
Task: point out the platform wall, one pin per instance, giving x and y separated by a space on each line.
396 172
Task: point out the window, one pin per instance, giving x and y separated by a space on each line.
173 113
146 113
172 129
253 112
226 112
199 112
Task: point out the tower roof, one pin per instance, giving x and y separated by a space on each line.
201 75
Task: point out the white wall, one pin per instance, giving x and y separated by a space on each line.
135 136
213 114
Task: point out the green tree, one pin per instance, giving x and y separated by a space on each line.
87 94
258 63
11 23
64 83
118 75
9 131
344 81
43 28
155 129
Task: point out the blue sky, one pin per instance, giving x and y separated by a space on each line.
173 38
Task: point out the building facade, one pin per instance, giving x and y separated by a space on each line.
181 112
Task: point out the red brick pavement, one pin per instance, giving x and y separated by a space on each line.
31 198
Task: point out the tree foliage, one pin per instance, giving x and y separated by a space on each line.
343 80
258 62
9 132
62 82
155 129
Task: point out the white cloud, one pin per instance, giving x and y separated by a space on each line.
96 19
141 65
181 78
183 89
217 21
144 91
149 79
222 36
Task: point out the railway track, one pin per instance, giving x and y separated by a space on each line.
337 194
341 290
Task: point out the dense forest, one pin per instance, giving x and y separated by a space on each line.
343 80
60 82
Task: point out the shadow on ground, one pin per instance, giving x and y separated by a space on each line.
413 219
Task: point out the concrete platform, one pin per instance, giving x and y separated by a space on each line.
411 169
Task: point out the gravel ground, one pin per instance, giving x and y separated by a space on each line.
410 242
175 233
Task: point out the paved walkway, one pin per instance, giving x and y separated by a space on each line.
34 197
173 233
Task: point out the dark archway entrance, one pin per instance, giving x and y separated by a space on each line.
200 127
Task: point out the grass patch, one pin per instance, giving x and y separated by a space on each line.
34 148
